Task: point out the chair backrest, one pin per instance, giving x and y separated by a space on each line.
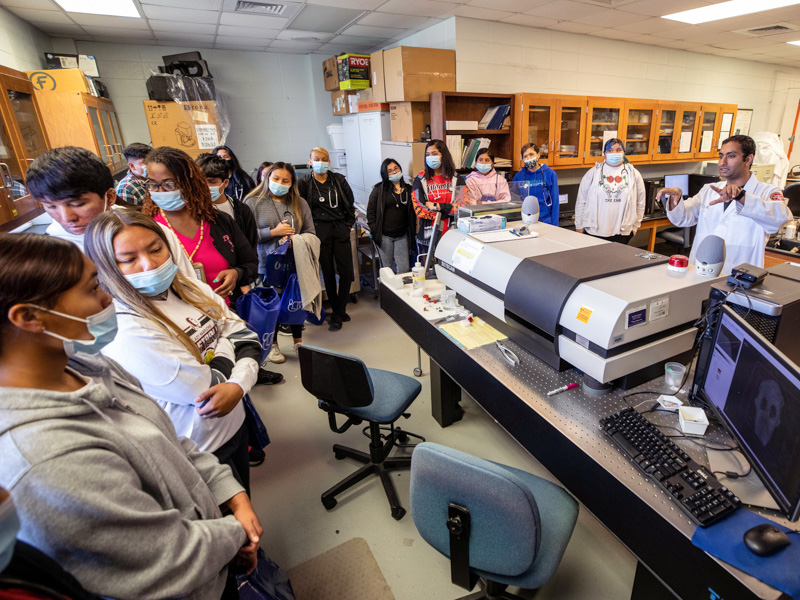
505 529
335 377
792 194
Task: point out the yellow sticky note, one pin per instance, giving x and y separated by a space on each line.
584 314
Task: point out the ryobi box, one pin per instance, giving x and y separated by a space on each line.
353 71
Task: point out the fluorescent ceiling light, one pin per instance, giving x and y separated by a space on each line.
114 8
797 43
726 10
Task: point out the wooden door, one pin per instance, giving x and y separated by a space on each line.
605 121
640 129
687 128
666 132
570 130
104 149
709 124
536 125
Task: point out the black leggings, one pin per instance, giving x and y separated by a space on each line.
297 332
334 237
619 238
235 453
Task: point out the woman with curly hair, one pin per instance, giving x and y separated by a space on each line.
178 197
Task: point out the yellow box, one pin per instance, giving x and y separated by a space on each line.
353 71
190 126
59 80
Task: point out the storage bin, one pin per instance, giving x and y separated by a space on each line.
336 132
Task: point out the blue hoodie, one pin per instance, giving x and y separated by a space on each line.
544 185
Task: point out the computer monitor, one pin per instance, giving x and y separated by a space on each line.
696 182
678 181
755 391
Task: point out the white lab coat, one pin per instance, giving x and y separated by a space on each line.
744 227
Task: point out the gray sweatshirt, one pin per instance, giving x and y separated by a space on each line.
103 485
268 214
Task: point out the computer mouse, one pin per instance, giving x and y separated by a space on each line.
765 539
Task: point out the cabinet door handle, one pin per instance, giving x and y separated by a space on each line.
6 175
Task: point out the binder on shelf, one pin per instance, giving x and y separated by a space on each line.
487 117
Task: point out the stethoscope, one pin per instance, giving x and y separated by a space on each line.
548 200
603 167
286 213
321 199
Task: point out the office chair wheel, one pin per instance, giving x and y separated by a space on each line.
338 455
402 437
417 372
329 503
398 513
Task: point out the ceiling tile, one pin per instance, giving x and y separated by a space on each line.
612 34
420 8
60 30
373 32
193 4
612 18
227 40
139 34
516 6
256 21
654 25
183 37
657 8
357 4
477 12
108 21
529 21
178 27
652 40
42 16
565 10
333 49
291 45
288 34
378 19
573 27
239 48
324 18
35 4
679 44
361 42
166 13
247 32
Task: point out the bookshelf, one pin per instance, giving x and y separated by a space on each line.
468 106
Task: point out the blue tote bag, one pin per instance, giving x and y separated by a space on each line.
279 265
259 308
292 312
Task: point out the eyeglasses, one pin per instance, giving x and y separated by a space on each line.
170 185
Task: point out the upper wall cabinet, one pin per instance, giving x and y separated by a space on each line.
639 129
556 124
606 116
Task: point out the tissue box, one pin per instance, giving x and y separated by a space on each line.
693 420
482 223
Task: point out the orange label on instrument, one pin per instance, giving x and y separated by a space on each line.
584 314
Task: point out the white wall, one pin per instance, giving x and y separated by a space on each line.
277 103
22 46
441 36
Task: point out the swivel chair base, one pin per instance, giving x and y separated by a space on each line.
491 590
375 463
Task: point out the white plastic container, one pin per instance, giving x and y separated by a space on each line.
673 375
417 276
790 232
693 420
336 132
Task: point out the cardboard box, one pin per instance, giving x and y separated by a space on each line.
189 126
330 71
344 102
353 71
411 74
62 80
366 95
372 106
408 120
376 70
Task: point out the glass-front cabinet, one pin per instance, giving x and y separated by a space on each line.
688 119
570 131
605 123
638 129
708 131
677 131
539 129
666 134
22 139
555 124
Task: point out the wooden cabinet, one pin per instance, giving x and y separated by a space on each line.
605 121
458 106
677 131
78 119
639 129
716 123
22 139
555 124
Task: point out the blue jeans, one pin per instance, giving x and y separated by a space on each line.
395 249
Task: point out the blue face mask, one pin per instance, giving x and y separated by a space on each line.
278 189
614 158
9 527
157 281
168 201
483 167
103 326
320 166
395 177
215 193
434 162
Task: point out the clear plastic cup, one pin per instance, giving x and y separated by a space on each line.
673 374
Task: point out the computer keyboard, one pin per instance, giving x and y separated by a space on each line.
704 499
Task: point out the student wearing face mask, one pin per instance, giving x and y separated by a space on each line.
486 185
180 199
611 201
131 189
241 183
539 180
177 337
216 172
333 208
128 508
434 189
282 215
390 216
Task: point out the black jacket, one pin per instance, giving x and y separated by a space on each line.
305 187
377 199
244 219
234 247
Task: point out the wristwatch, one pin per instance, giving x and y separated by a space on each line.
740 195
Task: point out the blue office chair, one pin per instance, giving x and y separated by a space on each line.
498 525
343 384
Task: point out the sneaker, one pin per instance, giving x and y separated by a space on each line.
344 317
268 377
336 323
296 346
284 330
257 456
275 355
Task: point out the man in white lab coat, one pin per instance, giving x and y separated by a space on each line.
741 210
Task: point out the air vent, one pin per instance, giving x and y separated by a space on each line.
260 8
768 30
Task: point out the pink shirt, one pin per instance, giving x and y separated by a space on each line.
206 254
